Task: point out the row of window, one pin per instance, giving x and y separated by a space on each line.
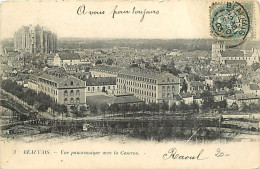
72 83
138 91
71 100
48 89
168 88
242 58
100 88
168 95
144 79
141 85
48 82
71 92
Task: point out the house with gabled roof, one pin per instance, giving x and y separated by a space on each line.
234 57
67 90
242 98
251 88
149 86
66 58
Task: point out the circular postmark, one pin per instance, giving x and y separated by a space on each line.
230 22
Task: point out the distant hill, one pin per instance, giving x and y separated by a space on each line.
181 44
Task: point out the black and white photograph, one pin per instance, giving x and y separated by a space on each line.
130 84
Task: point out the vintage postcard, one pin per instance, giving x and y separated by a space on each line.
129 84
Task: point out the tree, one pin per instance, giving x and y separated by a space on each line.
184 107
110 61
164 107
98 62
173 107
195 107
93 109
82 110
42 108
114 108
29 97
63 110
124 108
221 104
155 59
142 107
104 107
234 106
254 107
133 108
208 100
231 82
172 69
74 110
153 107
187 69
184 86
164 68
255 66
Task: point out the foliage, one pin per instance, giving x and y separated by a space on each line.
114 108
252 107
187 69
98 62
229 84
171 68
208 100
93 109
184 107
110 61
104 107
41 101
195 107
173 107
184 86
153 107
164 106
255 66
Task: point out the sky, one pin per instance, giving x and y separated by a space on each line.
183 19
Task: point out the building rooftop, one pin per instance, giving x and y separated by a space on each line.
69 56
141 72
186 95
100 81
254 87
64 82
232 53
197 83
221 92
231 62
107 68
178 97
243 96
56 79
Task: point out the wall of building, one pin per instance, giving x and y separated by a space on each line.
147 89
95 73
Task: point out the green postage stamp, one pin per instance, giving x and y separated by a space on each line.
232 22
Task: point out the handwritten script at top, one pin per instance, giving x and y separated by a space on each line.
116 12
